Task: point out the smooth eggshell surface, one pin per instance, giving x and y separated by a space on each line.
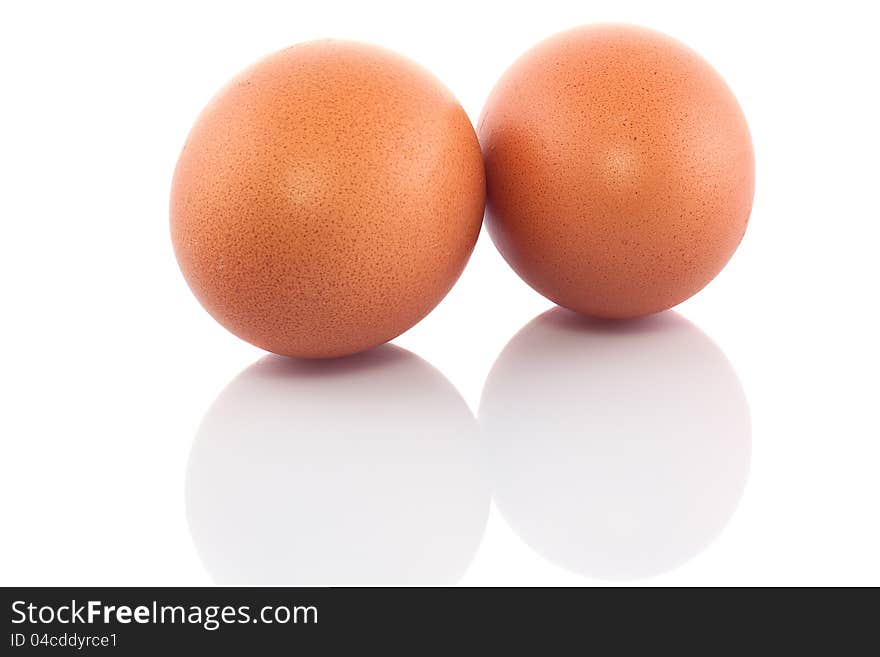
619 170
327 199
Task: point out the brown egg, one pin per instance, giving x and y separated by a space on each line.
619 170
327 199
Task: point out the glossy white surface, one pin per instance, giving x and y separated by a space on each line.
362 470
616 450
735 441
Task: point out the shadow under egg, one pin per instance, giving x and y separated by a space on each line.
617 450
361 470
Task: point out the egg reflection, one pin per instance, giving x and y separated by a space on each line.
616 450
361 470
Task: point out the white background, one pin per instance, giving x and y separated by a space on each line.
109 364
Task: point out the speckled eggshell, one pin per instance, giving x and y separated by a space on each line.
619 170
327 199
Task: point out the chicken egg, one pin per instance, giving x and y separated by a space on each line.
327 199
619 170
